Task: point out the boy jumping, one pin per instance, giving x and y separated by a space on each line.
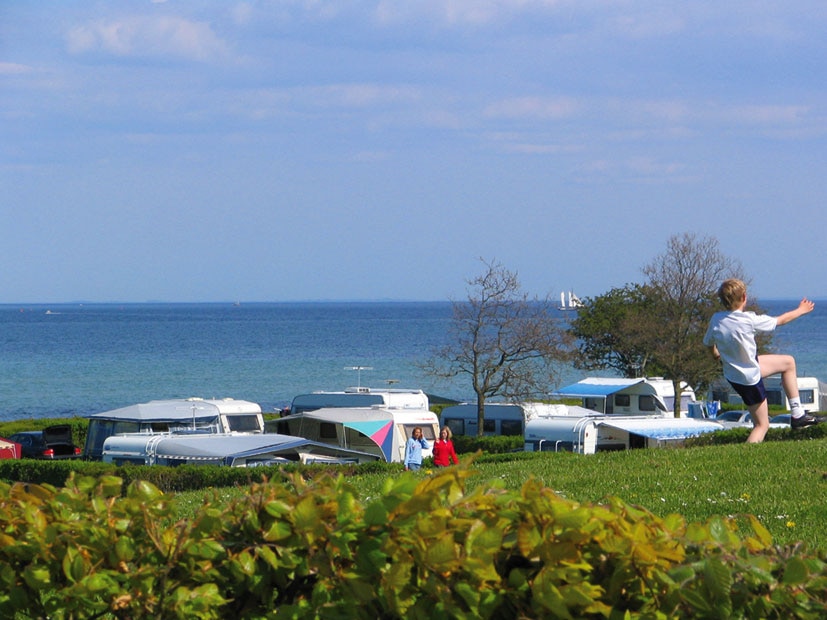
731 336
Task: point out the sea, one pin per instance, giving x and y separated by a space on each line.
66 360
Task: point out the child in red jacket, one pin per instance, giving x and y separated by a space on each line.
444 451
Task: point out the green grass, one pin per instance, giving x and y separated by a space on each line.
783 483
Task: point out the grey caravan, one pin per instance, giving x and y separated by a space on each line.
507 419
234 450
168 416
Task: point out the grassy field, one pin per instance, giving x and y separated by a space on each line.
784 483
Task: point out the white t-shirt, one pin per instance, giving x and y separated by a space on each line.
733 332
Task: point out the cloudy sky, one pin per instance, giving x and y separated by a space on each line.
347 149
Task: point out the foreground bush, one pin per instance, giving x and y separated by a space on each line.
424 548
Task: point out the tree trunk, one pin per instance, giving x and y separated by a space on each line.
480 414
676 408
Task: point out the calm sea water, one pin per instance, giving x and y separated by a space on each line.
73 359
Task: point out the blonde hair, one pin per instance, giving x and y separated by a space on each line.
447 430
732 293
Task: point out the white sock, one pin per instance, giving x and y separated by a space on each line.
795 407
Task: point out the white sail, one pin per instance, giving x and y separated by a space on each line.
571 303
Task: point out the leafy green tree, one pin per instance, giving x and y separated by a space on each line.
682 283
507 343
657 328
605 330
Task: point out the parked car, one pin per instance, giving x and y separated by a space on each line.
781 420
53 442
735 418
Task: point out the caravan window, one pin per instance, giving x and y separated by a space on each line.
427 431
647 402
243 423
457 426
596 404
622 400
807 396
511 427
775 397
489 426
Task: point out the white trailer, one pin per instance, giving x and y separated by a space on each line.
375 430
232 450
639 396
225 415
811 391
362 396
599 433
508 419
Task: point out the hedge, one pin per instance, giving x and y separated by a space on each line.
425 548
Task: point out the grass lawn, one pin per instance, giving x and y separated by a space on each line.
784 483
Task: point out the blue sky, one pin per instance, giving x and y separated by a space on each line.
314 149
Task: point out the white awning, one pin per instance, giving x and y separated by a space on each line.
664 428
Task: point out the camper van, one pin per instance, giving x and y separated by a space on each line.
165 416
617 414
600 433
811 391
233 450
389 398
616 396
376 430
500 418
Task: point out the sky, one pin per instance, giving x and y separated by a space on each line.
289 150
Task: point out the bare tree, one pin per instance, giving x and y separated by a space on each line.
508 344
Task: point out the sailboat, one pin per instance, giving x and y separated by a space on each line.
572 303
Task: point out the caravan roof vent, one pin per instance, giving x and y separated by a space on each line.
358 390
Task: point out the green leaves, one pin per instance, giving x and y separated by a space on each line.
424 547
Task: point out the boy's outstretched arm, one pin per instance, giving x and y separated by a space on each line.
804 307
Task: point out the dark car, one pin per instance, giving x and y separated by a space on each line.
53 442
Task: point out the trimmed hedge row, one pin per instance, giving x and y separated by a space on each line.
171 479
467 444
425 548
739 435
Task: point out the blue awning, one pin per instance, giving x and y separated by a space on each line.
602 388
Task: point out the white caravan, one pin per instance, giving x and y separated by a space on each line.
811 391
389 398
640 396
617 414
165 416
506 419
597 432
382 431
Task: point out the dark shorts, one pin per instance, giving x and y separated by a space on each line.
751 394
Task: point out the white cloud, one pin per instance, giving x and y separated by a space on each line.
13 68
533 108
141 36
768 114
458 12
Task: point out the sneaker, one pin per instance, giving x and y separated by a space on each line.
804 421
